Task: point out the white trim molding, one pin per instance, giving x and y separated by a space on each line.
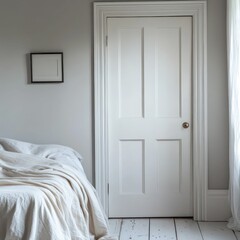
218 208
198 11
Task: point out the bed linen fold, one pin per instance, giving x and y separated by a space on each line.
45 195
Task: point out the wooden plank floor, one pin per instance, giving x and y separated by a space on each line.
170 229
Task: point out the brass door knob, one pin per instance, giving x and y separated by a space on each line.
185 125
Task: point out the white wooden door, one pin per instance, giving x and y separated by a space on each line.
149 98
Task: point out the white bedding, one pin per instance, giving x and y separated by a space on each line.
45 195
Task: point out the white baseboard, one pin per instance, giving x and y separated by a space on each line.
218 208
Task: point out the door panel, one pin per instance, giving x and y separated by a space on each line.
130 67
149 97
168 80
131 172
168 160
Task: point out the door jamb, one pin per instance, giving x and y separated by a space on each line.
198 11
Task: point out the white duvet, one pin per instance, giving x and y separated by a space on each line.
44 195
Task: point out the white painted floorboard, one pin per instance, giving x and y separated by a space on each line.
115 227
135 229
170 229
162 229
216 231
187 229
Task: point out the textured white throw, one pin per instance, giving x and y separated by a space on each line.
45 195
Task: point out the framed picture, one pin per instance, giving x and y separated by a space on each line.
46 67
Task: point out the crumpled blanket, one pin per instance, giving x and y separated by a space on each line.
45 195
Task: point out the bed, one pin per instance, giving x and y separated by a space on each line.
45 195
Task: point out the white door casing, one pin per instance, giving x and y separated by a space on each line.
194 9
149 98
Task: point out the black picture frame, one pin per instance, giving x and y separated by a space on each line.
40 66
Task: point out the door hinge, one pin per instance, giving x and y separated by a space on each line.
106 40
108 188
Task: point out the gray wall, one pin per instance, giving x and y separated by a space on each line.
62 113
217 95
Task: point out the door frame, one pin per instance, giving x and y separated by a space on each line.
198 11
